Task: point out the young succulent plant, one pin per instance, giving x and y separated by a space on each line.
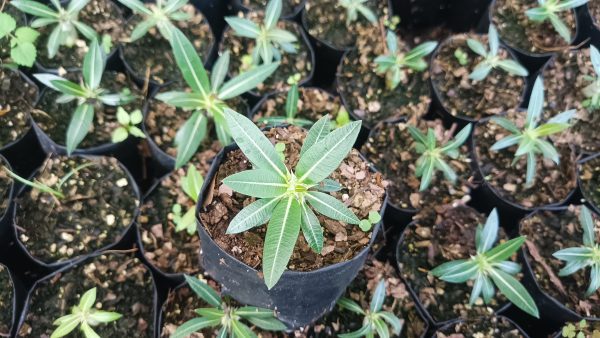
85 316
592 91
207 98
587 255
227 318
549 9
461 56
394 63
291 108
432 156
490 267
128 125
354 7
531 139
67 25
491 59
375 320
22 40
269 40
284 195
160 15
191 184
88 94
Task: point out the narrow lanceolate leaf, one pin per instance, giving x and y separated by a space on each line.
240 330
66 327
427 173
204 291
88 332
79 126
88 299
587 223
210 312
394 321
477 288
574 266
246 81
312 230
505 250
189 63
477 47
93 65
136 6
219 71
331 207
254 144
349 304
255 214
243 27
595 57
189 137
536 103
141 29
325 156
511 268
69 88
514 291
256 312
194 325
506 124
272 13
489 233
182 99
269 324
104 316
53 42
328 185
291 103
449 267
260 183
378 297
381 328
506 142
459 274
35 8
282 234
574 254
192 183
316 134
459 139
594 280
76 5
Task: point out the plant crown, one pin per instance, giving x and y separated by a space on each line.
549 9
191 184
160 15
128 125
354 7
22 40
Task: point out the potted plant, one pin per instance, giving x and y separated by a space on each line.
73 207
521 168
66 28
261 38
581 70
560 255
17 41
123 306
495 326
7 301
289 8
227 225
146 48
454 269
472 81
383 79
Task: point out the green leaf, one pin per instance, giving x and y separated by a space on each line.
564 117
595 58
210 312
316 134
587 224
392 42
256 312
219 71
536 103
204 291
493 39
35 8
378 297
574 266
505 250
420 51
281 36
446 169
365 225
240 330
255 214
394 321
246 81
488 290
80 124
260 183
328 185
514 291
489 233
42 22
174 5
459 139
54 42
367 13
66 327
560 27
254 144
477 288
123 117
192 183
87 300
427 173
574 254
318 162
331 207
141 29
272 14
531 169
182 99
194 325
104 316
481 71
312 230
513 67
69 88
189 63
26 34
136 6
594 280
269 324
506 124
76 5
86 30
243 27
477 47
7 24
291 103
280 240
509 267
189 137
23 54
550 128
458 271
381 328
506 142
374 217
548 150
88 332
349 304
93 65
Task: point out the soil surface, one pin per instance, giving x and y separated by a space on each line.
364 92
594 8
428 245
170 251
363 192
5 187
123 283
100 203
482 328
326 21
392 149
6 301
17 98
589 175
553 183
152 53
464 97
289 7
290 64
313 103
54 118
564 82
518 31
548 232
104 16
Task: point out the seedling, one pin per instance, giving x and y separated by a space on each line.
207 98
160 15
65 20
578 330
592 91
85 316
269 40
128 125
291 108
22 39
461 56
578 258
88 94
354 7
491 59
549 9
432 156
531 139
228 319
490 267
375 320
191 184
395 64
284 195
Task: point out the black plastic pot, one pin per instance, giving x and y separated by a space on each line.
449 326
293 15
590 28
15 311
5 217
581 192
295 297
